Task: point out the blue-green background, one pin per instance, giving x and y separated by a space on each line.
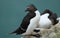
13 11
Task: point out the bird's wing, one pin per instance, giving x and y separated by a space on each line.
24 24
53 17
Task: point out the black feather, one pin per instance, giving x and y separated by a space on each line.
24 24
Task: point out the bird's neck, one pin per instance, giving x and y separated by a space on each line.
37 12
31 11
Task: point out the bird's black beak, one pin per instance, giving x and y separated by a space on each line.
27 9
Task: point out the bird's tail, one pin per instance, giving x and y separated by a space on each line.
18 31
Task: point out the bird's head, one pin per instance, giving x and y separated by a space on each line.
31 8
47 11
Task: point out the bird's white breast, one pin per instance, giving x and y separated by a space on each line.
36 18
44 21
33 23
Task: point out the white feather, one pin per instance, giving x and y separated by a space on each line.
44 21
33 23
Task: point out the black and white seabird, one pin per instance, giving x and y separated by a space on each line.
29 22
47 19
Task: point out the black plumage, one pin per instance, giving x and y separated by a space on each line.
24 24
26 20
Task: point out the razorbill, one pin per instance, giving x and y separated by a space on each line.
47 19
29 22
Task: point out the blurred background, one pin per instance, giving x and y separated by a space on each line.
13 11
